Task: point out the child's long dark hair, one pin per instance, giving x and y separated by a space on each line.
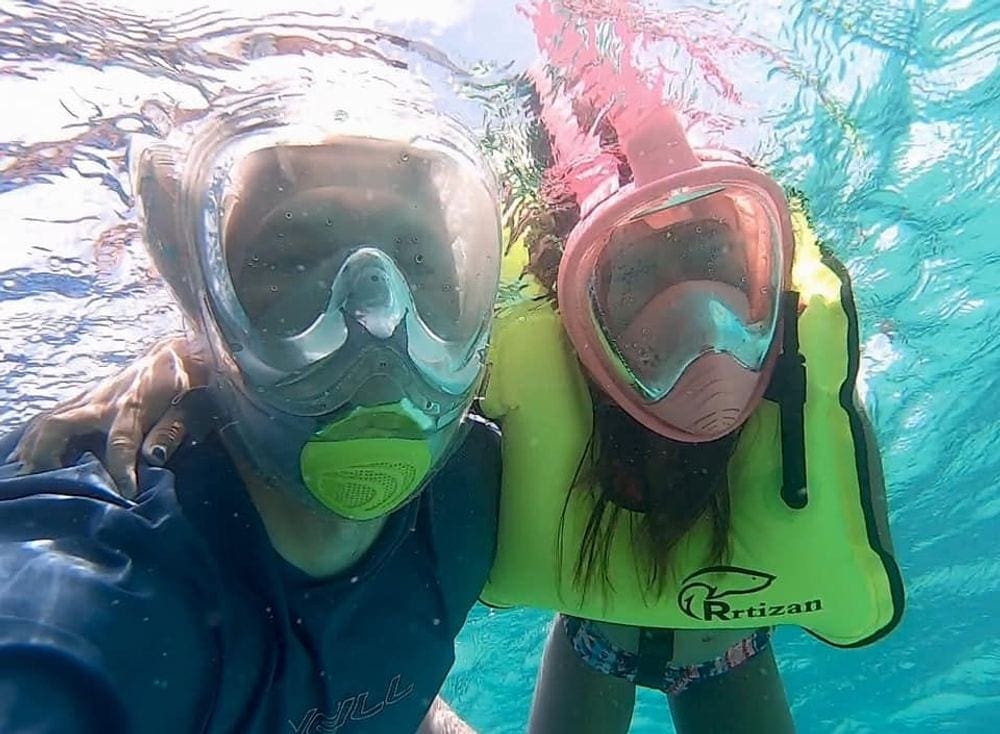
671 485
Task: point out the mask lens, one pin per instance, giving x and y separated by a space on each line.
697 273
329 265
285 241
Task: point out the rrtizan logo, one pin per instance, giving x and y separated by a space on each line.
714 594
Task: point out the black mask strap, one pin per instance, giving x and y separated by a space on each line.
788 389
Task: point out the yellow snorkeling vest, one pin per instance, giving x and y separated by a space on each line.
820 559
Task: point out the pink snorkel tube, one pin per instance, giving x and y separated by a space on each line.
693 358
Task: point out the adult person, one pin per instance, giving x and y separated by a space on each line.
307 562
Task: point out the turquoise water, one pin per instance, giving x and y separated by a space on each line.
888 118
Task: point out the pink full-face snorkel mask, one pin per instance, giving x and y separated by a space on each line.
670 289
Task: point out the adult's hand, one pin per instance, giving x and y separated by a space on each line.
137 410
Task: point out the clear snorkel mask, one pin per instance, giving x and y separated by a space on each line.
345 283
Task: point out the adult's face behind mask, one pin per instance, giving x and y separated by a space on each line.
346 290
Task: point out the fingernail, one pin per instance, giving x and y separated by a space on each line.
159 453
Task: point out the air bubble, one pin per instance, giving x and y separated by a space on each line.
329 221
418 259
288 215
404 157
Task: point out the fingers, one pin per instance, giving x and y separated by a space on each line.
165 437
143 404
124 407
43 444
46 438
123 447
41 448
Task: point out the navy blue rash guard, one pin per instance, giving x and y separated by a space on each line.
174 614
